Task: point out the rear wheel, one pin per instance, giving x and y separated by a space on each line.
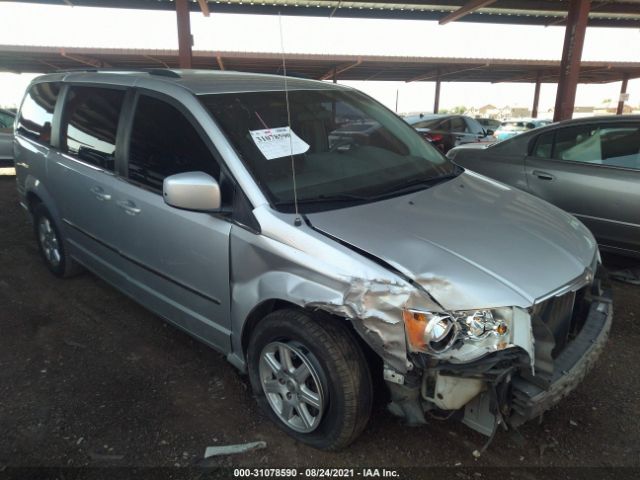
51 244
310 377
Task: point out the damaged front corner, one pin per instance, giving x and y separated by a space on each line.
300 266
375 309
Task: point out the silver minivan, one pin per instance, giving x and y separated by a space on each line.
312 236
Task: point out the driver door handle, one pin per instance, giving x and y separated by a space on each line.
543 175
129 207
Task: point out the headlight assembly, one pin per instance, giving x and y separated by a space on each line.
438 332
430 332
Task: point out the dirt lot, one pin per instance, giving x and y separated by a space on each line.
88 377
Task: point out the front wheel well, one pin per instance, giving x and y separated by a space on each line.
257 314
269 306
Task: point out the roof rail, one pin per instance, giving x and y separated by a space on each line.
161 72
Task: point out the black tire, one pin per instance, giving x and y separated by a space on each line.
65 266
341 366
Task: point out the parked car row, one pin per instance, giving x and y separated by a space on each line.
589 167
449 131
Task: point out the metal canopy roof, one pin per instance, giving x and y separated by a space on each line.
18 58
608 13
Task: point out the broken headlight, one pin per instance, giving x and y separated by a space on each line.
438 332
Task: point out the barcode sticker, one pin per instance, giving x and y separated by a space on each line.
278 142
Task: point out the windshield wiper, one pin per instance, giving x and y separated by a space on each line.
341 197
410 186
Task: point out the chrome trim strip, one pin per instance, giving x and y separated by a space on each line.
93 167
582 280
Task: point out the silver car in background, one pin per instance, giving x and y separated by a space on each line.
317 241
589 167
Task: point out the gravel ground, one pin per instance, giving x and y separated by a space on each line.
89 378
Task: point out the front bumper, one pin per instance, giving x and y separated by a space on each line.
570 367
513 394
517 397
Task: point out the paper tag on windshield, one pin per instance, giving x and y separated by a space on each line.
278 142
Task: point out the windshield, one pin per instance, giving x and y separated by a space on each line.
346 147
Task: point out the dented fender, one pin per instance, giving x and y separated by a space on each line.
301 266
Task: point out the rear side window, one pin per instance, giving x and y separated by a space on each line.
436 123
36 114
91 122
163 143
613 145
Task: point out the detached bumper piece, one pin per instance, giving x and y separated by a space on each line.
530 400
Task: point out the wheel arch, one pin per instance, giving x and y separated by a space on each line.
264 308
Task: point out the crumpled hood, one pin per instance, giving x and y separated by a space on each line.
471 242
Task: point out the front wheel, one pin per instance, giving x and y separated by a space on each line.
311 378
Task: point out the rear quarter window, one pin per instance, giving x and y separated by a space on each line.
36 113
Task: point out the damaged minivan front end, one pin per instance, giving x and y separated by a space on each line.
499 326
502 366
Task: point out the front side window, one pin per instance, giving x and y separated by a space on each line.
345 147
163 143
36 113
91 117
543 145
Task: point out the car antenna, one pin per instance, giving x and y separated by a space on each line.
298 221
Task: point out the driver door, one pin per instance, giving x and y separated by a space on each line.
177 260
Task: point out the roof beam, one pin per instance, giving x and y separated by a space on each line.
204 6
437 73
220 62
470 7
541 75
85 60
157 60
423 76
334 72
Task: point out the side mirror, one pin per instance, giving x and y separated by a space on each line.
192 191
490 132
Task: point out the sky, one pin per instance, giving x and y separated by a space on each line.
25 24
